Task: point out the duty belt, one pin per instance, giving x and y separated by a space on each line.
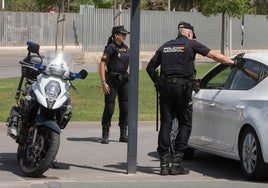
178 79
117 73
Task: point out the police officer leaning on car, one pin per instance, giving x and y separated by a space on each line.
176 58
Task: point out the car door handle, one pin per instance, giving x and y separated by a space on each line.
212 104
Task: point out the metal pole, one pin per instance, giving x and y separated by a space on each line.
242 32
227 35
120 14
3 4
231 35
63 32
133 87
222 32
114 12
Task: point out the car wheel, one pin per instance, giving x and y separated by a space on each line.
251 159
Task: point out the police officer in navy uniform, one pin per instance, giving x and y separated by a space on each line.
114 75
177 73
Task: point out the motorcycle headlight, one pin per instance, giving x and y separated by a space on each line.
52 90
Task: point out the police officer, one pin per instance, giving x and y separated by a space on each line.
176 58
114 75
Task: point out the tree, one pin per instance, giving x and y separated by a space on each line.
21 5
233 8
260 6
183 5
157 5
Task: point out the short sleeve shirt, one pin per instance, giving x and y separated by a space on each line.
116 57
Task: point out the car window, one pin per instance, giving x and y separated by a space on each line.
219 80
247 78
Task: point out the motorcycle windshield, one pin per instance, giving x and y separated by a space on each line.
58 63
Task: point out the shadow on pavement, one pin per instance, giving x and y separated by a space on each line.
89 139
66 166
215 166
121 168
143 169
210 165
9 163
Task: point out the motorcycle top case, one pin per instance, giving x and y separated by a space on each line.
30 72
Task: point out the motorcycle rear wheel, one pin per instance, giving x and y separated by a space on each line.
35 160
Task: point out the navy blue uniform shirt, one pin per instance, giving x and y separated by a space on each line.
176 57
116 57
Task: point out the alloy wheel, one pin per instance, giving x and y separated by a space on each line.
249 153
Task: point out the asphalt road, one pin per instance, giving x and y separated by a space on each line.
83 162
10 67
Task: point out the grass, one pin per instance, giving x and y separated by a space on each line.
88 101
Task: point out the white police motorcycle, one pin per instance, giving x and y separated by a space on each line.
42 108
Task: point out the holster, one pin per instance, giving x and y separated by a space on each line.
186 82
118 78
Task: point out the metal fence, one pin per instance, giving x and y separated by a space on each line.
18 27
92 29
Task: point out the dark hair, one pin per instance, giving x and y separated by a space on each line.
110 40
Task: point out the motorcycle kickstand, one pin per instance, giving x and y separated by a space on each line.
54 164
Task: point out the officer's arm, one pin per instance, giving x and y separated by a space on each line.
251 74
152 65
151 70
102 68
220 58
102 72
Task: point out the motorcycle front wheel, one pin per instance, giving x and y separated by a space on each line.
36 158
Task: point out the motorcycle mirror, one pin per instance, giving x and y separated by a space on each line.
83 74
33 47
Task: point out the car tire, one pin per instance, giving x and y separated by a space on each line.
251 159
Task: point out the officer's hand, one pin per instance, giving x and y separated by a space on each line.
238 61
106 88
156 85
196 85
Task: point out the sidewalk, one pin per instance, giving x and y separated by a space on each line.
88 57
90 60
81 158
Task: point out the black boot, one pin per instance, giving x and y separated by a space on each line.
164 164
123 134
176 166
105 135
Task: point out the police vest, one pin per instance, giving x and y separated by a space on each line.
176 58
119 60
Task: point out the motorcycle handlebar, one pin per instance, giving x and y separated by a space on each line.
82 74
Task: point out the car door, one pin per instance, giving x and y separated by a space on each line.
203 105
229 105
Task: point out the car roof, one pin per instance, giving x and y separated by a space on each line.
261 57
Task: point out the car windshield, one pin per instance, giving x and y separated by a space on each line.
58 63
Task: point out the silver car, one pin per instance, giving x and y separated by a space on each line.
230 117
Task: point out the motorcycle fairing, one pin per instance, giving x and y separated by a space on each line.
49 123
42 81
